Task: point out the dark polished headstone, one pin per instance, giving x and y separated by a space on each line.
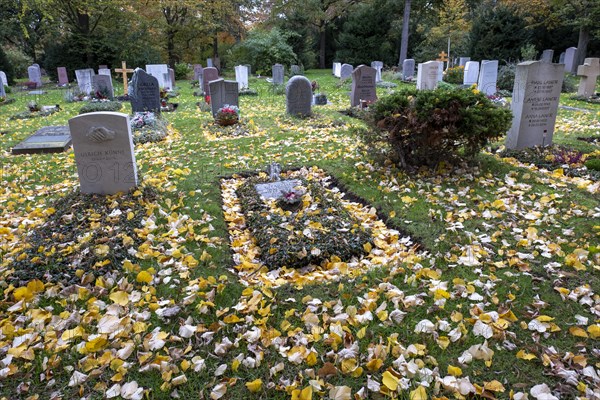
49 139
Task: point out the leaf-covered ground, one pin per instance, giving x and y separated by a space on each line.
501 300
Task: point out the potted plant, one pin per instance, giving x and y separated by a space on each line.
227 115
291 200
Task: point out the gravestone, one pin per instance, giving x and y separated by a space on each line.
547 56
561 58
488 77
49 139
222 93
363 85
277 74
427 75
337 69
294 70
172 78
249 69
3 79
462 61
2 91
272 190
210 74
160 72
471 73
346 71
440 76
209 63
35 74
535 100
104 71
378 65
63 78
103 66
103 147
103 84
198 71
570 60
241 76
145 92
408 69
589 72
84 79
298 96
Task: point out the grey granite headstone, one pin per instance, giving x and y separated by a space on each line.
35 74
408 69
84 79
272 190
588 72
298 96
104 71
103 84
294 70
571 60
198 71
223 93
547 56
103 147
144 92
561 58
278 72
3 79
160 72
471 73
535 100
102 66
346 71
49 139
427 75
210 74
172 77
488 77
2 90
363 85
462 61
63 78
241 76
249 69
209 63
378 65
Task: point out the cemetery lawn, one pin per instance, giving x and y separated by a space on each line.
501 294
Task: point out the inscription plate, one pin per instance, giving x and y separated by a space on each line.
272 190
49 139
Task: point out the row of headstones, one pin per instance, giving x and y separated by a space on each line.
205 75
567 57
344 71
431 72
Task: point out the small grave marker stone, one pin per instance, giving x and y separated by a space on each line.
547 55
3 79
172 77
536 95
561 58
346 71
198 70
210 74
272 190
145 92
337 69
35 74
408 69
241 76
209 63
104 71
277 74
295 70
571 60
378 65
223 92
462 61
84 79
63 78
589 72
363 85
488 77
103 84
2 90
49 139
427 75
103 147
298 96
471 73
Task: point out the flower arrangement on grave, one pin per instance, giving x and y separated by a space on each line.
291 199
320 98
227 115
141 119
33 106
101 95
207 99
163 97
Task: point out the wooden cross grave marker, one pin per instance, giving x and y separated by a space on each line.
124 70
443 57
589 72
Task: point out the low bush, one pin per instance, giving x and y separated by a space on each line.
182 71
100 106
506 77
426 127
593 164
455 75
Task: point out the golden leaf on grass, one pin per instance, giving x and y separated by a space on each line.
522 354
418 394
96 344
23 293
374 364
144 277
577 331
340 393
120 297
390 381
361 332
254 386
311 359
454 371
304 394
493 386
594 331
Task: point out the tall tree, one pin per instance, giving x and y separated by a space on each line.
405 32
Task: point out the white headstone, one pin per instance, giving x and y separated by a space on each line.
589 72
535 100
462 61
561 58
209 63
84 79
427 75
298 96
471 73
103 148
35 74
571 60
160 72
2 90
337 69
346 71
408 69
3 79
378 65
488 77
241 76
363 85
547 55
440 76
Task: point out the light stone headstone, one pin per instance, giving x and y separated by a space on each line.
363 85
210 74
571 60
249 69
547 55
536 95
488 77
3 79
2 91
561 58
198 71
209 63
408 69
84 79
298 96
104 71
223 93
440 76
277 72
103 66
346 71
471 73
241 76
35 74
172 78
103 147
49 139
337 69
63 78
160 72
144 92
103 84
427 75
462 61
294 69
588 72
378 65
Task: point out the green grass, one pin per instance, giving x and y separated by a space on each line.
445 210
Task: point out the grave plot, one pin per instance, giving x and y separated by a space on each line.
303 229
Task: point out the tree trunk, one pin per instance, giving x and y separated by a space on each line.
83 20
171 47
322 47
582 44
404 38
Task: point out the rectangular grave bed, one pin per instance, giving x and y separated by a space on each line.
49 139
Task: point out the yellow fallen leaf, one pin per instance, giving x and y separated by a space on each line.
454 371
311 359
340 393
390 381
577 331
418 394
374 364
522 354
254 386
304 394
493 386
96 344
23 293
594 331
35 286
120 297
144 277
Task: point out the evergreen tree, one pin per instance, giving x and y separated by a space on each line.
6 67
